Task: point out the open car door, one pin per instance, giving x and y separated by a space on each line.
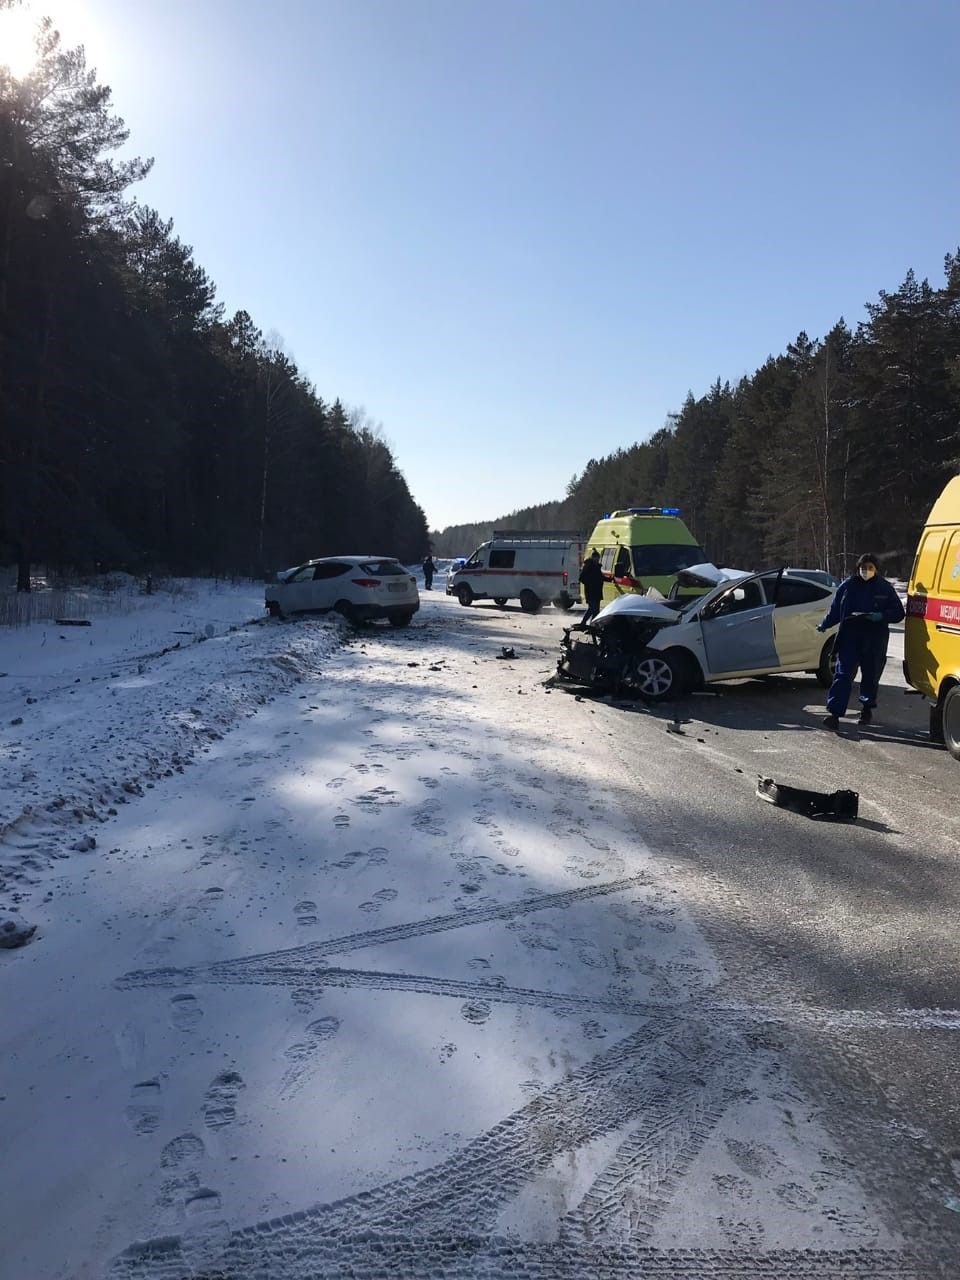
737 629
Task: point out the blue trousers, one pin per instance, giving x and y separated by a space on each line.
859 646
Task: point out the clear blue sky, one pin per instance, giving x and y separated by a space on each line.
518 232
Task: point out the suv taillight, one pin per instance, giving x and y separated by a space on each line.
365 582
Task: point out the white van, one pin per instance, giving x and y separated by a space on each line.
524 566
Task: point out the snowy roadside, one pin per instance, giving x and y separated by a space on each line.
92 715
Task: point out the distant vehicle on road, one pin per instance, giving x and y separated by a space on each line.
815 575
361 588
747 625
533 567
456 563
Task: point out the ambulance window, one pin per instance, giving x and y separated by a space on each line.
606 559
622 566
925 570
665 559
501 558
950 570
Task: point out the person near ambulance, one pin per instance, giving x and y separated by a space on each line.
591 579
429 569
864 606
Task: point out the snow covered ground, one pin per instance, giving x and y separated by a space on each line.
370 968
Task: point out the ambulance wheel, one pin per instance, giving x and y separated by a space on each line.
564 602
500 600
828 665
465 593
529 601
658 676
951 721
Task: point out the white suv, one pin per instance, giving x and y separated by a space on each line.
359 587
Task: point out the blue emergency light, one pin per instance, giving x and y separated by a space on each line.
671 511
654 511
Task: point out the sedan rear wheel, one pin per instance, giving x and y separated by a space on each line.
275 610
828 665
656 677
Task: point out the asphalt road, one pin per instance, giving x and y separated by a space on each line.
856 923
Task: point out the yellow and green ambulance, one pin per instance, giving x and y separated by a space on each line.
642 547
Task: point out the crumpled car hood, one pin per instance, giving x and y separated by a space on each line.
634 606
708 575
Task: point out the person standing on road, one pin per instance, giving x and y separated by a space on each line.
429 568
591 579
865 604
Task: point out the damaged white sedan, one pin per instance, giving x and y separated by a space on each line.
746 624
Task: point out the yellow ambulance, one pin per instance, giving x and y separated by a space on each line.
642 547
932 630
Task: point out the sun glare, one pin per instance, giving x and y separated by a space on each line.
18 28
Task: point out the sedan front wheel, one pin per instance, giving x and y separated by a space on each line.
656 677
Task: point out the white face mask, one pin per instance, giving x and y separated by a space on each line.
867 572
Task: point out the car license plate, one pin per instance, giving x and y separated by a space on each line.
397 586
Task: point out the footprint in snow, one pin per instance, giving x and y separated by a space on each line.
187 1148
144 1109
185 1011
476 1011
220 1100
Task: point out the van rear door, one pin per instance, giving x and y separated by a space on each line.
919 658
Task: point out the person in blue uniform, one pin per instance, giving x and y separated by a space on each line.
865 604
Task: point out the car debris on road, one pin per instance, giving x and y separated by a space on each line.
821 806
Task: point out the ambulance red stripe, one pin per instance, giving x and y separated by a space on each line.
934 609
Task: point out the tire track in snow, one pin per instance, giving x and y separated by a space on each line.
301 958
398 1256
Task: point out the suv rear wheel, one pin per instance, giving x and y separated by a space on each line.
401 619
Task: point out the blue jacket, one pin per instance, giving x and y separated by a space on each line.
854 595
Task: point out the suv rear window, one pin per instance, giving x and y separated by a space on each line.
799 591
658 561
383 568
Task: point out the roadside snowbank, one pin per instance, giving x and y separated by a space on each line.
92 715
